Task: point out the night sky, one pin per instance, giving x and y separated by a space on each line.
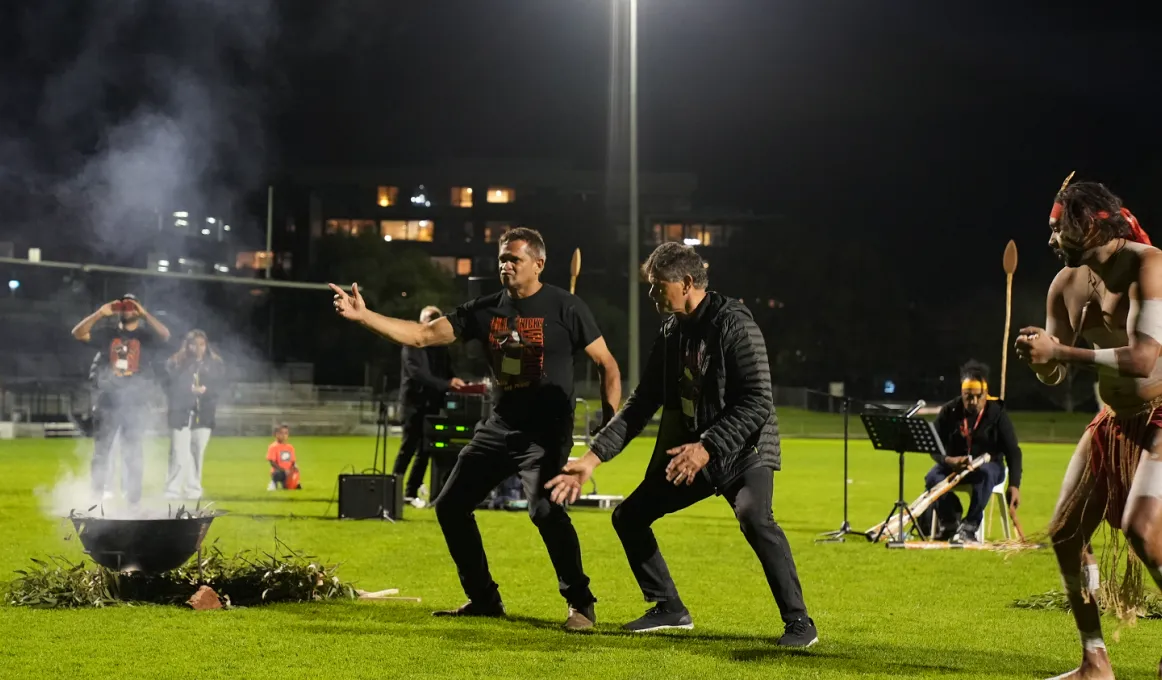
908 116
933 131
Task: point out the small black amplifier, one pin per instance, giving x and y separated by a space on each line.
370 497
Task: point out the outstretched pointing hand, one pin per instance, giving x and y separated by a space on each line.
350 307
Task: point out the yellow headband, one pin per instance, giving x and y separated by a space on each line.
969 384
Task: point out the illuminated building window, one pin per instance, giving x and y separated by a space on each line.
463 266
253 259
657 234
693 235
360 227
493 230
387 196
462 197
675 232
406 230
501 195
712 235
338 226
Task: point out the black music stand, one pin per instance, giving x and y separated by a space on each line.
845 528
901 434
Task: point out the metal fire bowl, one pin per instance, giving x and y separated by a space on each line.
150 546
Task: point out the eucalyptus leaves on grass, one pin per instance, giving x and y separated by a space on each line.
246 578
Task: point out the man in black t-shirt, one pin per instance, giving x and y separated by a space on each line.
531 332
123 373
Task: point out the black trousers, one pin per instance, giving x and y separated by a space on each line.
495 453
750 497
412 442
982 480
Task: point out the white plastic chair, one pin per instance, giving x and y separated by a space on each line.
996 500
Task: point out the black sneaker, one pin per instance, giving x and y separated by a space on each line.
966 534
799 633
945 531
470 608
660 619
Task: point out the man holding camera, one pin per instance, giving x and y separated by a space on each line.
427 377
123 381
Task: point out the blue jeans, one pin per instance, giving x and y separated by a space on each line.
982 480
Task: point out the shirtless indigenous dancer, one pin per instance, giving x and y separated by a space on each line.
1110 294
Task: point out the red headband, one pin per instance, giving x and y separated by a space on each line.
1137 233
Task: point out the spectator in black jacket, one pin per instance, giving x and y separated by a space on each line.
708 372
426 377
195 373
970 426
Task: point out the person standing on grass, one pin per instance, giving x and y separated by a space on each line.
531 331
1109 293
425 379
719 435
196 372
124 379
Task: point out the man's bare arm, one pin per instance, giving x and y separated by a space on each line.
157 326
83 330
1057 324
1143 328
410 333
610 374
400 331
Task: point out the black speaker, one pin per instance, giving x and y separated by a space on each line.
444 436
370 497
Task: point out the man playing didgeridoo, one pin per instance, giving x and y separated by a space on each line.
1109 293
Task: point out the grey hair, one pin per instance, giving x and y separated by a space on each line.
672 262
536 242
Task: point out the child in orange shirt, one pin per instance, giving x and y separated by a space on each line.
281 456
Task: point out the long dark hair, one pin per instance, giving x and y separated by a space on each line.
1091 214
182 358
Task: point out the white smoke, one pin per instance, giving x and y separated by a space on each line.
159 106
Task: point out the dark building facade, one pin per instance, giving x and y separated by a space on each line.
457 211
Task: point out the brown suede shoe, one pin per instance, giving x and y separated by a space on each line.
580 619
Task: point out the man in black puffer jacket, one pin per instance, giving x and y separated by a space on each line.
708 371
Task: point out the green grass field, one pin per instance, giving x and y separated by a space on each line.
1031 426
881 613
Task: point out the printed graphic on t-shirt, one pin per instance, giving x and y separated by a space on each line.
124 357
282 455
518 347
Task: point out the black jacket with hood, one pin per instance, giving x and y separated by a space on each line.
991 432
717 361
